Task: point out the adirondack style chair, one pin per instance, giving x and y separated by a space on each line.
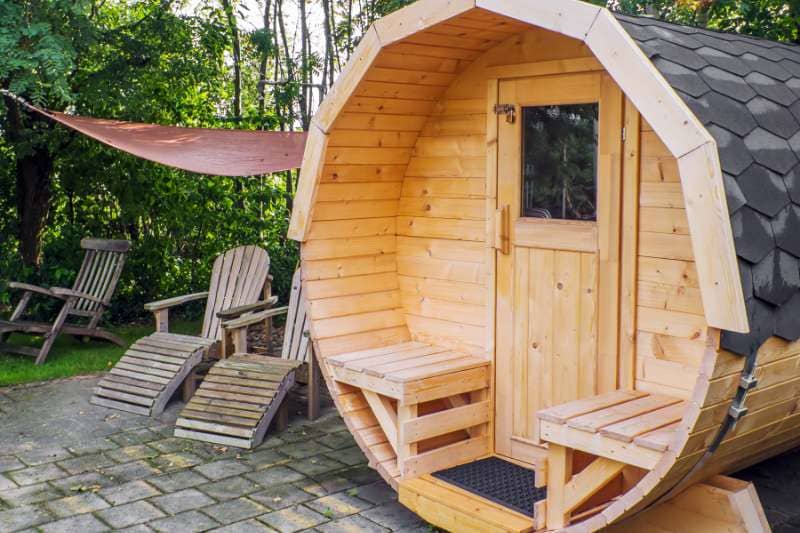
146 377
88 298
243 393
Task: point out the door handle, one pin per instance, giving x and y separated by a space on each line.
502 229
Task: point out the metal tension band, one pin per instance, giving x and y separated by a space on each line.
736 412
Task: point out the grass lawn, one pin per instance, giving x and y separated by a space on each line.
72 357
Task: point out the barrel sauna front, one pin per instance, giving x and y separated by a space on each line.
586 321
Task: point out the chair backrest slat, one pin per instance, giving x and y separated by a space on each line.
100 272
296 342
237 278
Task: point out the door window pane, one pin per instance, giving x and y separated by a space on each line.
559 162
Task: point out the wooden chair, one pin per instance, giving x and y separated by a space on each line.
88 298
152 369
242 394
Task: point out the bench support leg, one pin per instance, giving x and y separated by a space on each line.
559 472
405 449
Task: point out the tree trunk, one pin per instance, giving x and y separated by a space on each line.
262 67
237 58
305 67
34 177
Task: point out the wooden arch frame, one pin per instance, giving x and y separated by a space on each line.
681 131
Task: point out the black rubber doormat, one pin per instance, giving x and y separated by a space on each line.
497 480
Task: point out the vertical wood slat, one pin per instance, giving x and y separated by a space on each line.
630 246
609 225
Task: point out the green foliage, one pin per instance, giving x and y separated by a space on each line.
773 19
143 62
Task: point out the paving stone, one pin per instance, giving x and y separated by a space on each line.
293 519
93 446
300 450
173 481
393 516
351 524
130 514
247 526
314 466
327 483
229 488
281 496
188 522
76 524
361 475
171 444
86 502
302 434
234 510
131 453
337 441
129 492
338 505
265 458
137 436
350 456
85 463
6 484
376 493
43 455
88 479
141 528
276 475
183 500
9 462
176 461
216 470
36 474
130 471
30 494
23 517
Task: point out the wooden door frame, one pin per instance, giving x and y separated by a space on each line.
610 160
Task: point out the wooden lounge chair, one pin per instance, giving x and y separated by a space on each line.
88 298
144 380
241 395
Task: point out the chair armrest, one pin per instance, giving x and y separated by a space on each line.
32 288
62 292
254 318
234 312
172 302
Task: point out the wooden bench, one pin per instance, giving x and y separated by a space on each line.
431 402
622 428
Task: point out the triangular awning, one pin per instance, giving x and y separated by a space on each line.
217 152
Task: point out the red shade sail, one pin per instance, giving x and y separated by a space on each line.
206 151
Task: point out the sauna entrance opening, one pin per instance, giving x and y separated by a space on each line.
554 289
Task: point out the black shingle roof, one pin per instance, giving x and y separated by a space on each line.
747 93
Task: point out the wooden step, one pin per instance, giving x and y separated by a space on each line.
453 509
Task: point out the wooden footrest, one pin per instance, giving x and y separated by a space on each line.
237 400
146 377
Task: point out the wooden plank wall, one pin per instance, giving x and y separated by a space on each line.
671 328
444 271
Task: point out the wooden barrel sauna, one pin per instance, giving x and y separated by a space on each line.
545 232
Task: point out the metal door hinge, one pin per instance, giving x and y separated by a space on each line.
509 110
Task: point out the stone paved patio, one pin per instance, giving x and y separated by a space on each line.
68 466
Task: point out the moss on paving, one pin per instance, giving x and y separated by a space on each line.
73 357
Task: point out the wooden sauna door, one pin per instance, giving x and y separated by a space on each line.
558 181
